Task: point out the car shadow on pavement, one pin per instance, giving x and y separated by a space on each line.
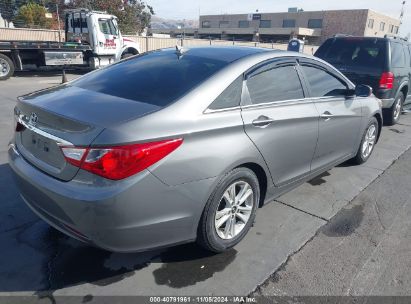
38 258
49 73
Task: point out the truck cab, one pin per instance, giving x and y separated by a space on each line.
100 31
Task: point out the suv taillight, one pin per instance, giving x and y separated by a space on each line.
387 80
120 162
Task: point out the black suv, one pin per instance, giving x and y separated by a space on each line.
382 63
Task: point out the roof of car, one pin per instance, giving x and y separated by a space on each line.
392 38
226 54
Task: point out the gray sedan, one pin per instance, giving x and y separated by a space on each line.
179 145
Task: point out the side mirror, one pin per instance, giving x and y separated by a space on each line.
363 90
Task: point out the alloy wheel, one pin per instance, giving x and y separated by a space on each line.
234 210
369 141
397 109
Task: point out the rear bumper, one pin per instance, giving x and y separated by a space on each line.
135 214
387 103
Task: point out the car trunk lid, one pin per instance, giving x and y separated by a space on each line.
67 116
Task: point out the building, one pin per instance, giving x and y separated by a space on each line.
314 26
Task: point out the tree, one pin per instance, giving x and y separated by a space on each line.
8 9
133 15
32 15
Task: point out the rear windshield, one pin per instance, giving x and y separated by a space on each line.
156 78
354 52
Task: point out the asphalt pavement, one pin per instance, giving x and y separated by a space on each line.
365 250
36 259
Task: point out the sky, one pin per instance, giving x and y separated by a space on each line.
190 9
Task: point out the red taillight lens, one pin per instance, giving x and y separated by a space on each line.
121 161
387 80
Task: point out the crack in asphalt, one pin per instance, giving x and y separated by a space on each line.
22 226
303 211
273 276
377 211
50 268
47 291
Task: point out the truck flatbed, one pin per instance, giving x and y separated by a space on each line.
43 45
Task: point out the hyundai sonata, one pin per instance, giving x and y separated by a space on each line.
178 145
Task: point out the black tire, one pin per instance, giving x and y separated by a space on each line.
207 236
359 157
126 55
6 66
392 115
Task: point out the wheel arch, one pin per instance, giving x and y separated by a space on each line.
404 89
380 122
261 176
130 50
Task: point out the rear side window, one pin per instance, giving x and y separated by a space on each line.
276 84
322 83
354 52
230 97
397 55
156 78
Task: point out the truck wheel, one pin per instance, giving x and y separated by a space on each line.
6 67
126 55
392 115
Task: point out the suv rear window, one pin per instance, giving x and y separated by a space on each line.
354 52
156 78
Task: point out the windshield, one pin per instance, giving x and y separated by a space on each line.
156 78
354 52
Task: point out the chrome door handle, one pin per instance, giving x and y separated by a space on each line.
262 121
326 115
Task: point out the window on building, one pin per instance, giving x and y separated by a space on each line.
265 23
206 24
396 30
243 24
382 26
391 28
371 23
315 23
224 24
287 23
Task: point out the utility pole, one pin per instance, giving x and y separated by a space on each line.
58 20
402 12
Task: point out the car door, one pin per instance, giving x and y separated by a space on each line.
340 116
107 35
281 122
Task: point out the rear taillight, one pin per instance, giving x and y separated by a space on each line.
120 161
387 80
